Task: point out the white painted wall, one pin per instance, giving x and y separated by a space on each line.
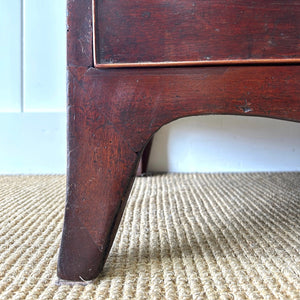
10 55
44 55
33 118
32 86
226 144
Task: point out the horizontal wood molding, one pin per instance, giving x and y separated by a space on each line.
154 34
199 63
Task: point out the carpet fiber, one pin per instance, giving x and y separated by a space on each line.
183 236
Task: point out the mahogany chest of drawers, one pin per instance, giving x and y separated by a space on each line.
134 66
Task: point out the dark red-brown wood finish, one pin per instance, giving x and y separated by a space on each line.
112 114
184 32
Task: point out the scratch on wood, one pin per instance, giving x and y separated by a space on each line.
246 108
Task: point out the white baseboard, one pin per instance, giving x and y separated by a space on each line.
32 143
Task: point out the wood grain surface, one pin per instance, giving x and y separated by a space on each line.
165 32
112 116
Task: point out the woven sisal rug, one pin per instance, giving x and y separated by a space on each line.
183 236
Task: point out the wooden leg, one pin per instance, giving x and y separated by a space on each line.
101 171
143 164
112 115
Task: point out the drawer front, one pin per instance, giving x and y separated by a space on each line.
185 32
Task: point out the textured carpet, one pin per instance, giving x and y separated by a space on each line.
183 236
